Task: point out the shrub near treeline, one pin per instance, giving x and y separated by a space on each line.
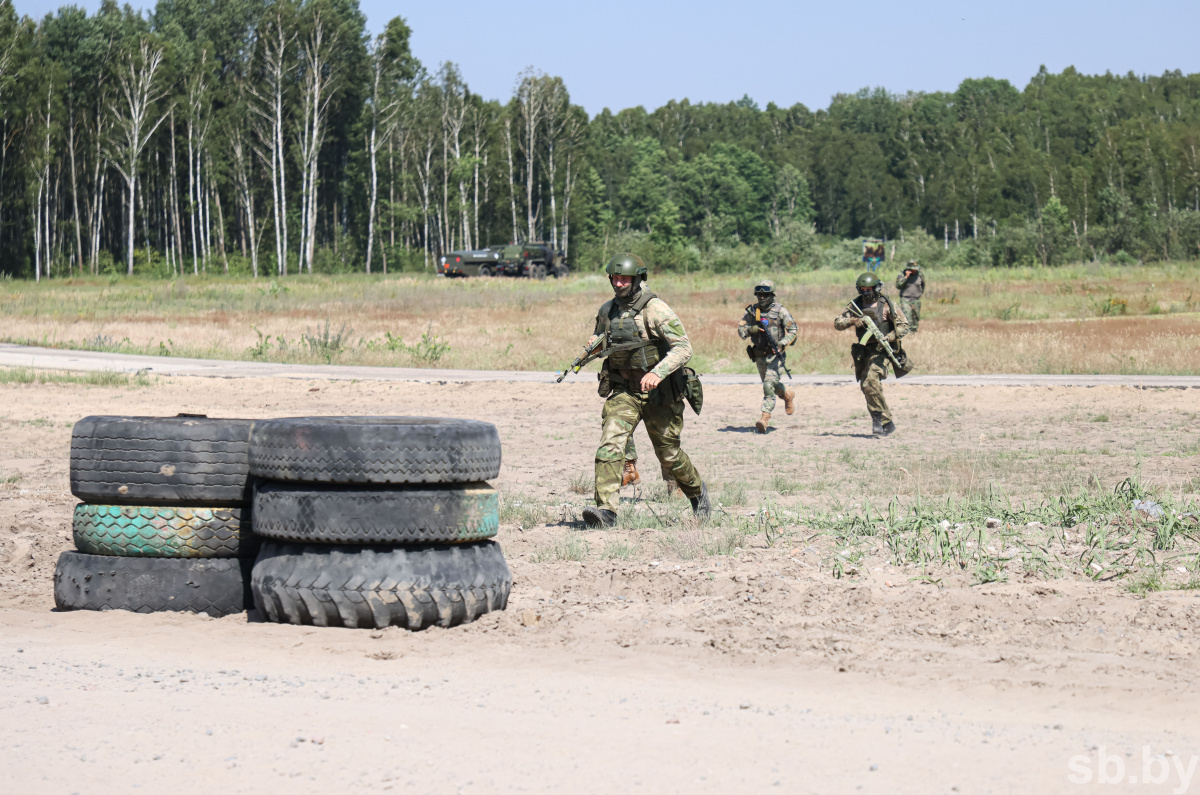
276 138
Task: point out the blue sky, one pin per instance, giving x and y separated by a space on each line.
622 53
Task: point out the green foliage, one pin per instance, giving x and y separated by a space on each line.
1070 168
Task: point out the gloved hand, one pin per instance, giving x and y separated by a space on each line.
892 338
859 323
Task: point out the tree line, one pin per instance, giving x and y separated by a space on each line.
273 137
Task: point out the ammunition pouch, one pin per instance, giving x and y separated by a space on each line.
750 353
858 352
906 364
604 388
693 390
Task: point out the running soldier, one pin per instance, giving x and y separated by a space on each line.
911 286
783 330
645 384
871 360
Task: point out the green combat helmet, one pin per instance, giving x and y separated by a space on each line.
868 285
764 292
626 265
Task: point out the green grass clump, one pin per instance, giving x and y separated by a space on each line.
29 375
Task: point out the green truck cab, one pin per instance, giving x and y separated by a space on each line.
532 260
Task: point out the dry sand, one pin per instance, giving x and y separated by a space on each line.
754 671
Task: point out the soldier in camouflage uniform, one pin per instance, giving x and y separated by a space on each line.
911 286
870 360
783 329
643 385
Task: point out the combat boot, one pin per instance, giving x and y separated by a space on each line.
630 476
599 517
789 400
877 424
761 425
888 429
700 505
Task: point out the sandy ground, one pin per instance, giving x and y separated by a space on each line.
653 672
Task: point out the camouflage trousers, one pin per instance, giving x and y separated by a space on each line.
768 371
911 307
631 454
870 370
664 424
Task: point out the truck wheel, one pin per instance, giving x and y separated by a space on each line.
380 450
332 585
538 272
561 271
184 460
486 271
155 531
216 586
355 515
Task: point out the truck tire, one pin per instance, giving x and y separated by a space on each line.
330 585
157 531
185 460
538 272
412 515
378 450
216 586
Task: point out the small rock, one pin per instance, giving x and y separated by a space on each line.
744 705
43 700
260 678
992 523
320 739
1058 727
529 618
873 768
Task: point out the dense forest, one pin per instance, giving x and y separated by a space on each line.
279 137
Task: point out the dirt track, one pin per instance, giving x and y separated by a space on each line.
717 673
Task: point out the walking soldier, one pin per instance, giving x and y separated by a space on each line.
911 285
769 339
642 382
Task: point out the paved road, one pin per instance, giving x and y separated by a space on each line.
53 359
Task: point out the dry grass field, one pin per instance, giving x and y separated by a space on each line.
1071 320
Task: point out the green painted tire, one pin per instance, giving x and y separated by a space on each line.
154 531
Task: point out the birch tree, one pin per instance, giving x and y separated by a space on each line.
133 114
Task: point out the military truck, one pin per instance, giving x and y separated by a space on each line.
481 262
532 260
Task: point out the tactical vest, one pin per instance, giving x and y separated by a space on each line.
876 314
620 327
774 318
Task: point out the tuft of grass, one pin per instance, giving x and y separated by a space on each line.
12 479
620 550
583 483
733 493
572 547
29 375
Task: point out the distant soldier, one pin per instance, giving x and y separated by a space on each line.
911 285
646 386
783 330
870 360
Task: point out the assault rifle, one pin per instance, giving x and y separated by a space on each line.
596 350
772 344
873 331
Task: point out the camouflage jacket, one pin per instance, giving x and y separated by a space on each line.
656 322
911 288
890 320
779 320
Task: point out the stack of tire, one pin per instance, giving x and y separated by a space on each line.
376 521
164 524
